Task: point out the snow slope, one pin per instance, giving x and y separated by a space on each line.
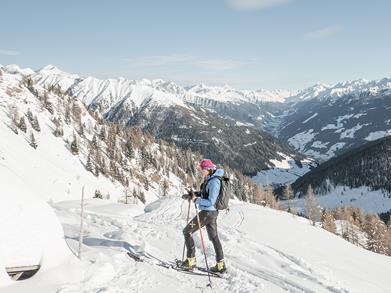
261 254
49 171
370 201
31 233
284 171
334 91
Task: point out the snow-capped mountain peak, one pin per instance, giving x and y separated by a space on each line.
15 69
354 88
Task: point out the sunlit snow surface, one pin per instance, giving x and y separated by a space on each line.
265 250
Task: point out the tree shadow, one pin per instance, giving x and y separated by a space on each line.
92 241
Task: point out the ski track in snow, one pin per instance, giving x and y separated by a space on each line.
290 264
255 269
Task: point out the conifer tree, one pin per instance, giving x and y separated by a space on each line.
22 125
35 124
67 114
74 145
94 142
129 152
15 117
141 196
102 133
76 112
80 128
89 166
33 142
58 131
165 187
29 115
46 103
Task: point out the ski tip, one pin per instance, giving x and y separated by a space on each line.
134 257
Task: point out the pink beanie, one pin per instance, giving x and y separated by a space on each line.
206 164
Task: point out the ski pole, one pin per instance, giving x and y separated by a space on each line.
203 245
187 221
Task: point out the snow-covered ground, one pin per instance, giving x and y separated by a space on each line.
265 250
283 171
371 201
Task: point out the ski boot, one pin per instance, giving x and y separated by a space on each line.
219 267
188 264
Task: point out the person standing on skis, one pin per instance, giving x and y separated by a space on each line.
205 199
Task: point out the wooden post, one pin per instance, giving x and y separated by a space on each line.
81 222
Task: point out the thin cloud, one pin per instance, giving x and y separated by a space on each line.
254 4
184 59
160 60
323 33
9 52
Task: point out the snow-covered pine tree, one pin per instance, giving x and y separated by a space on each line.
76 112
33 142
46 103
165 187
102 133
14 116
22 125
80 128
94 142
98 194
75 145
98 162
141 196
35 124
103 166
67 114
58 131
89 166
29 115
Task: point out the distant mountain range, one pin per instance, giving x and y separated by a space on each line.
231 125
324 121
204 119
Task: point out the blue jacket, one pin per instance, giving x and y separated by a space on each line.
213 189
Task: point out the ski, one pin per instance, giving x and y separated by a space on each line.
134 256
195 272
198 271
216 274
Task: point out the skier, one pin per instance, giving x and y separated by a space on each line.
205 199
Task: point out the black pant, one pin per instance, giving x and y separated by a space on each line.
208 219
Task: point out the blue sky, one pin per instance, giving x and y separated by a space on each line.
248 44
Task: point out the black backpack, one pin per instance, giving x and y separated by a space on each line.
224 194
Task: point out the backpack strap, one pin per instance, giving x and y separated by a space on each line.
205 194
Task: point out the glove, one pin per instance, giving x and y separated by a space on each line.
189 195
186 196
